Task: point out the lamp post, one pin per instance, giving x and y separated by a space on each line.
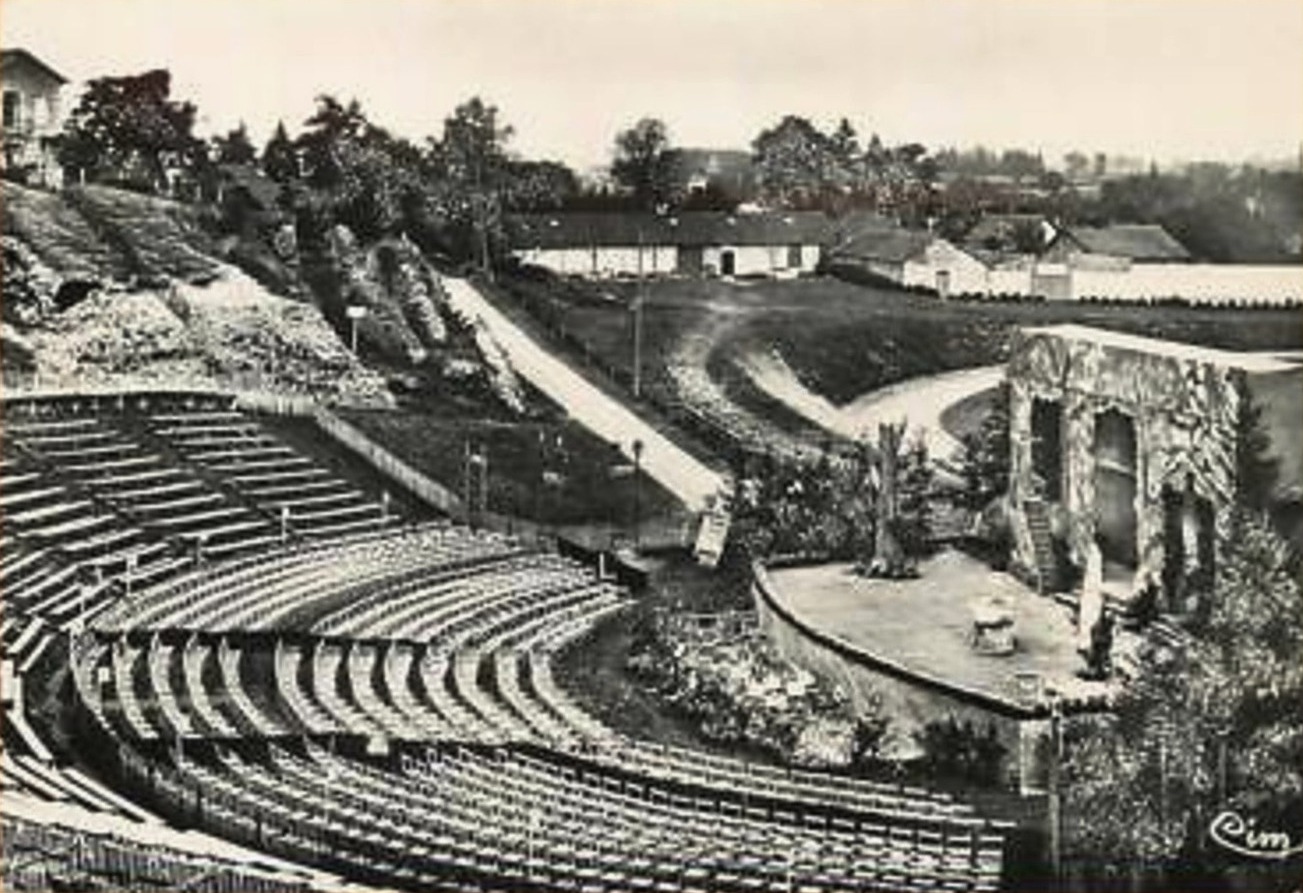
355 313
476 495
637 493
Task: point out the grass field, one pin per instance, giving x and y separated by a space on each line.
845 339
593 483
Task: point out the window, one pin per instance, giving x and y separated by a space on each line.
13 108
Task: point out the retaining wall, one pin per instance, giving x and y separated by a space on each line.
908 699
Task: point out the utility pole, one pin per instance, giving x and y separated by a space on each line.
637 323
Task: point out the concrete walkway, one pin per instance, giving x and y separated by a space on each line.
671 466
919 401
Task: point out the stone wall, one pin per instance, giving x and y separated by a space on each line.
908 700
1184 409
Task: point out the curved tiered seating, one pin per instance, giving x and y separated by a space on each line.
40 856
380 700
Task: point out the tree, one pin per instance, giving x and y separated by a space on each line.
539 185
1256 470
1214 722
795 162
472 160
280 161
128 129
328 130
643 163
235 147
1076 165
899 483
986 455
354 173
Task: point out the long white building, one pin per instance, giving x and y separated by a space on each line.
697 243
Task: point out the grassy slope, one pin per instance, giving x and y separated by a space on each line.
588 494
844 340
58 234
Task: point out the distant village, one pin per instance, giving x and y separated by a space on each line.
972 224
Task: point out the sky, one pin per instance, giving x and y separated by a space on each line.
1160 79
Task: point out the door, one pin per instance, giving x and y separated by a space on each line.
1115 487
726 263
943 283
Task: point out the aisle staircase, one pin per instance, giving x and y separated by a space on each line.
1038 524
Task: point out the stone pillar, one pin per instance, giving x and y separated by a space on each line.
1079 456
1020 467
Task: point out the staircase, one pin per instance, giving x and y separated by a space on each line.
1038 524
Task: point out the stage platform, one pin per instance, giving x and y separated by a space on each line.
925 626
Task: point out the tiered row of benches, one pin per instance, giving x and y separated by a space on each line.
437 642
271 474
98 505
40 857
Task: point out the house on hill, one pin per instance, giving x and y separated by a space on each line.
913 259
33 115
1129 444
701 243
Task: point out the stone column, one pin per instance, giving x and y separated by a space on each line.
1079 456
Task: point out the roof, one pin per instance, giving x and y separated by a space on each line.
1000 227
893 245
1248 361
1138 241
19 56
589 229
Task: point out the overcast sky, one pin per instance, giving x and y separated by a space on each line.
1155 78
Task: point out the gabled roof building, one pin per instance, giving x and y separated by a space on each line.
1138 243
33 115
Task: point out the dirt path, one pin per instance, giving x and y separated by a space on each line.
693 384
691 480
919 401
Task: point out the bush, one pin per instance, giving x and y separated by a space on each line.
957 751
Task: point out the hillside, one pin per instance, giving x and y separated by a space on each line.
108 288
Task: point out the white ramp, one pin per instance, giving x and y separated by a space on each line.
672 467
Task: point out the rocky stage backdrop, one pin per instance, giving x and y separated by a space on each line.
1183 403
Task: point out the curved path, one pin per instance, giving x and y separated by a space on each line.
919 401
677 470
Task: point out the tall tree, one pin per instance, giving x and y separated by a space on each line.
643 163
280 160
472 159
130 129
795 162
332 126
235 147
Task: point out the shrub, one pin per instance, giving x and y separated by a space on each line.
959 752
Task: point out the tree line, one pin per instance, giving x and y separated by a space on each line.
452 192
